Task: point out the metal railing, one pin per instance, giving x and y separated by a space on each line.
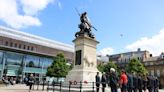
66 86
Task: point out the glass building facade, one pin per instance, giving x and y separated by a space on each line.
17 64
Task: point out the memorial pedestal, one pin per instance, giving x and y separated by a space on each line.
85 65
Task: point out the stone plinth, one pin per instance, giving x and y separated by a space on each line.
85 65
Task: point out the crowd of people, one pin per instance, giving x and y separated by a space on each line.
127 82
10 80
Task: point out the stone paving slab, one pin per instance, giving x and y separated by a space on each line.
24 88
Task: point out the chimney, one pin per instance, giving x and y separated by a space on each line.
139 49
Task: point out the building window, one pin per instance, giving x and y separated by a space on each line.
11 44
24 47
20 46
152 72
158 73
32 48
6 43
15 45
151 63
28 47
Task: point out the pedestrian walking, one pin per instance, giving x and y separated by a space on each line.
30 81
103 81
113 80
97 82
123 81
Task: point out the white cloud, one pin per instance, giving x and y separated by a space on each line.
59 5
154 44
106 51
32 7
21 13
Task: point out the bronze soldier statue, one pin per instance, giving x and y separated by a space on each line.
85 26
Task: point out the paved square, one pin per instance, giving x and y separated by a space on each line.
24 88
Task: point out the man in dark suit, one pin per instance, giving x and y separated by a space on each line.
97 82
135 82
150 84
103 80
113 80
130 82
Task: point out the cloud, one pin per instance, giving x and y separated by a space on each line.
106 51
59 5
153 44
21 13
32 7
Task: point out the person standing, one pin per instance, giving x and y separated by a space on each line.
30 81
140 83
97 82
135 82
113 80
103 81
150 85
123 81
145 83
130 82
156 84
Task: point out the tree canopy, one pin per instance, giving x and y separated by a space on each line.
59 67
136 66
106 67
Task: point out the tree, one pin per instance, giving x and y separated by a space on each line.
106 67
109 65
100 67
59 67
136 66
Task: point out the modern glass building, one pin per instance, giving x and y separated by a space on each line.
22 54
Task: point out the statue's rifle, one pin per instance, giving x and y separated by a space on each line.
86 22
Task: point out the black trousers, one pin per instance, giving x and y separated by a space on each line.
30 86
130 89
103 89
97 87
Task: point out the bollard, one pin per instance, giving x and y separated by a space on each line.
33 86
53 84
43 86
60 85
80 86
48 86
93 86
37 85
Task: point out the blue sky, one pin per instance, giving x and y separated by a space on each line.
123 25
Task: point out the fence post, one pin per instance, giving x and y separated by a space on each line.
60 85
48 86
37 85
53 84
93 86
69 86
80 86
43 85
33 86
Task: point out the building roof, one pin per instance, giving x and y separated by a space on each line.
26 37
